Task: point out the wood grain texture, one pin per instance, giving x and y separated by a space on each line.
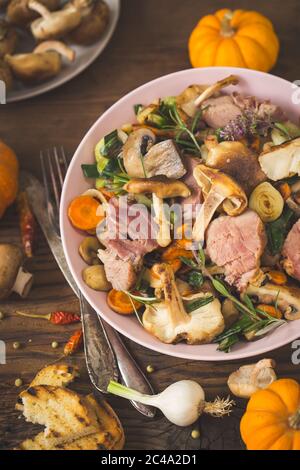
150 41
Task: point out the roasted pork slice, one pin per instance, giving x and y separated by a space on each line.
121 273
291 252
189 179
237 243
217 112
127 239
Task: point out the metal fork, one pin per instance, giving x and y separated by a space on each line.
103 345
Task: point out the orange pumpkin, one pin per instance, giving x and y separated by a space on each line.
272 418
237 38
9 172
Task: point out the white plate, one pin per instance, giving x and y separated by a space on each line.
85 55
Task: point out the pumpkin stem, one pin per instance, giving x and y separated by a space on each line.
294 421
226 29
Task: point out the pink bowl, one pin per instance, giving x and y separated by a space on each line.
264 86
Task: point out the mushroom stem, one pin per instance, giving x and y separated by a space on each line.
164 235
39 8
23 283
57 46
211 204
231 80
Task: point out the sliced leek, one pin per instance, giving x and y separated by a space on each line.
267 202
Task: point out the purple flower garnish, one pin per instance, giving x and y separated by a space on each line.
247 124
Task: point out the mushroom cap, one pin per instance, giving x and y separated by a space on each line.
56 24
162 186
251 378
34 67
132 150
170 323
286 297
212 179
10 261
281 161
8 38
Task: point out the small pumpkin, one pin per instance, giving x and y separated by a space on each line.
236 38
9 172
272 418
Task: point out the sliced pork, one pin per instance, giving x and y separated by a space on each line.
128 237
164 159
291 252
217 112
237 243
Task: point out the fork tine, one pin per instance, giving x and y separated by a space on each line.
56 191
58 168
44 174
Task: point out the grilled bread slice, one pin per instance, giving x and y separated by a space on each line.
57 375
109 436
61 411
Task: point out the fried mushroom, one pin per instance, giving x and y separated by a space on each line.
218 189
41 64
8 38
5 74
53 25
238 161
94 21
19 13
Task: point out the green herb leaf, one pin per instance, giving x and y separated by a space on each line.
195 279
219 286
188 261
90 171
277 231
137 108
198 303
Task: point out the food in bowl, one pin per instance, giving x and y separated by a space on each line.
198 230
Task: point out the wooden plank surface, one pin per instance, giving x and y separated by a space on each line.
150 41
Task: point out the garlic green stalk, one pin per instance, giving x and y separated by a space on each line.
182 402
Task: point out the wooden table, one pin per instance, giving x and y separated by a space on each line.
150 41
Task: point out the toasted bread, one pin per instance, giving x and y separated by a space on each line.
57 375
60 410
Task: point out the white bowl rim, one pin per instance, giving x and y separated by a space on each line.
237 354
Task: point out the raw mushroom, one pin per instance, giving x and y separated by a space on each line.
219 189
211 90
143 159
161 188
95 278
251 378
169 321
95 18
20 14
41 64
8 38
88 250
281 161
13 278
52 25
5 74
286 298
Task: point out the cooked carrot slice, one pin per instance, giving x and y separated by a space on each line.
84 211
270 310
285 190
173 252
121 303
278 277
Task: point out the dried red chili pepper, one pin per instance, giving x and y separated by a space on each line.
57 318
74 343
28 224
